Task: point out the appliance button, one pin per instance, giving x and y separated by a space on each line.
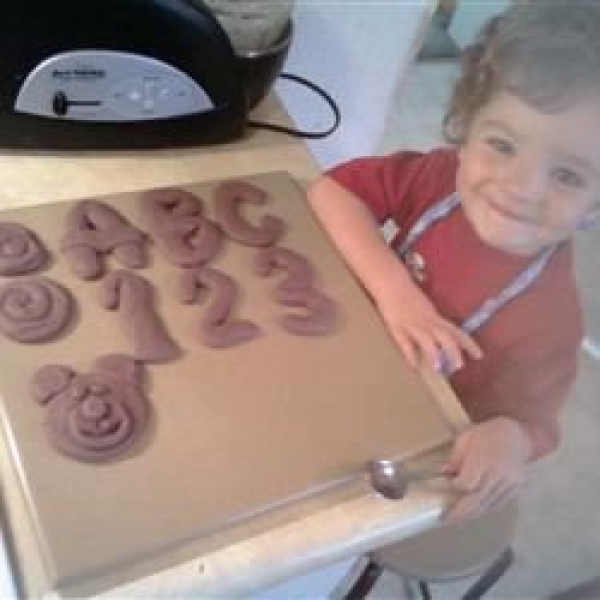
150 87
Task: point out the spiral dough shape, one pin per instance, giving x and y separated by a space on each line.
92 417
20 251
34 310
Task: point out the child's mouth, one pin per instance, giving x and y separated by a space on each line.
511 215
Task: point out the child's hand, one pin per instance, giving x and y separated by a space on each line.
420 331
487 464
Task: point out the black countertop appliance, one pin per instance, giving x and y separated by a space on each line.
101 74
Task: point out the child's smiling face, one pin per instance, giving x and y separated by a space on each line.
528 179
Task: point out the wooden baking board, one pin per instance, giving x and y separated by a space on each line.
234 431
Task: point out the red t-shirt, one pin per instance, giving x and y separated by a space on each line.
530 345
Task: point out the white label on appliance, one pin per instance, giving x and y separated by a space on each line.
104 85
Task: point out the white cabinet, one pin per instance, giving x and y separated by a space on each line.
317 585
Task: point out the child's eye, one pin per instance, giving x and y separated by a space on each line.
500 145
568 177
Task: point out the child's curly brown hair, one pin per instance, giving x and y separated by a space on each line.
546 52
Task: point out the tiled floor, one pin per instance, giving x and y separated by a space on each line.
558 541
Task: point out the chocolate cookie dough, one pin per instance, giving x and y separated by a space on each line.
217 328
94 229
297 290
132 296
299 272
97 416
34 309
184 236
229 197
20 250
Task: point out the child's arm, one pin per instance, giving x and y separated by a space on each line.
526 395
409 315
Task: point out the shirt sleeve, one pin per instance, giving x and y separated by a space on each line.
393 185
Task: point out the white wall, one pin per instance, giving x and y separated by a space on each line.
356 50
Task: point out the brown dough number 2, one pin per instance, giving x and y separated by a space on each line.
217 329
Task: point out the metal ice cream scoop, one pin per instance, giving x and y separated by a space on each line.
391 479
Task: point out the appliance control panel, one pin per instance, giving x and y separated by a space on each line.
109 86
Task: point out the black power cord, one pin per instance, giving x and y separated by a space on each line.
314 135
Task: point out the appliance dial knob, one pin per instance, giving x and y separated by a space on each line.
60 104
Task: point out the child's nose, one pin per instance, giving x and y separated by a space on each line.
526 181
